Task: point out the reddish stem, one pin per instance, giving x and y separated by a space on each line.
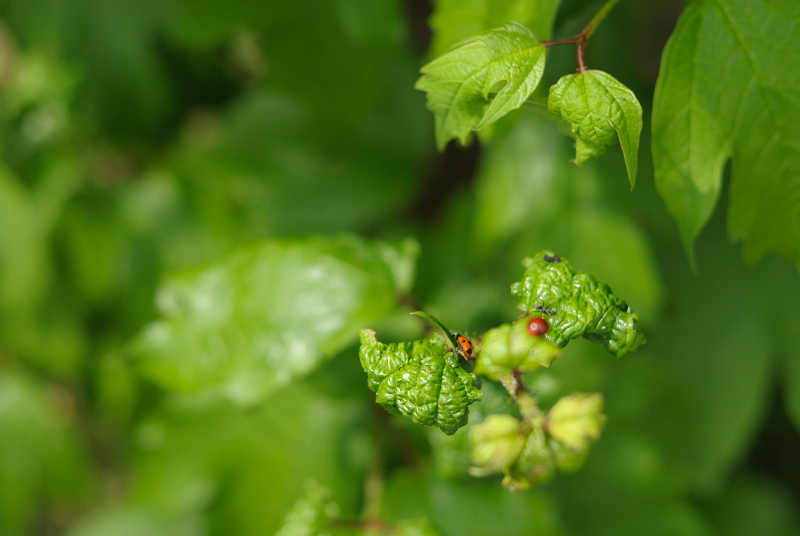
566 41
581 45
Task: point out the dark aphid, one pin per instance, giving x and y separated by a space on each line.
545 310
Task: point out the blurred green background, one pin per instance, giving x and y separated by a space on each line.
244 158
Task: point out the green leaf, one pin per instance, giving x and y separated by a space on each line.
535 465
495 444
446 332
576 304
456 20
251 322
512 347
479 81
450 454
725 90
311 514
576 419
600 109
421 380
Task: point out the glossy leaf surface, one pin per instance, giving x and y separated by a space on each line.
576 304
479 81
421 380
728 89
251 322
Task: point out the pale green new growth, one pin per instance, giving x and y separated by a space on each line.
728 87
496 443
529 452
481 80
600 110
576 419
511 347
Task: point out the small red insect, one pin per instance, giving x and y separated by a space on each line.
538 326
464 346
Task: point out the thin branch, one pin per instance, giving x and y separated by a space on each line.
583 37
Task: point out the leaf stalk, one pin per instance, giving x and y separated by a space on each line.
584 35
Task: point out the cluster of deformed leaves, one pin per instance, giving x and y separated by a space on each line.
424 381
576 304
528 452
421 380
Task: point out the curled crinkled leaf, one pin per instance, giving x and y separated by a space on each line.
600 110
482 79
421 380
495 444
311 514
512 347
576 419
576 304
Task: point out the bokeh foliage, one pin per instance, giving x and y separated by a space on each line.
153 148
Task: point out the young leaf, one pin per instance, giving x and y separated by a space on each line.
534 466
251 322
461 84
512 347
600 110
576 304
495 444
728 88
576 419
421 380
528 456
